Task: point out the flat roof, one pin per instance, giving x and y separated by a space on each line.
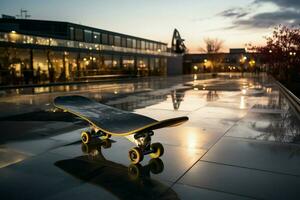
8 20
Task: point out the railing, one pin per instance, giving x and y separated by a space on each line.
13 37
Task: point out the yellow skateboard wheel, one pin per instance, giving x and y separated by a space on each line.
86 137
158 150
136 155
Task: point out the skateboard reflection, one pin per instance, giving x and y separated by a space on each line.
132 182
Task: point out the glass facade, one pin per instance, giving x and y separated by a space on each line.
92 54
24 66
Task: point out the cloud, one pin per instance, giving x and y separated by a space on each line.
288 13
269 19
292 4
234 13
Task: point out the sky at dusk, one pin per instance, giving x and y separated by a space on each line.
236 21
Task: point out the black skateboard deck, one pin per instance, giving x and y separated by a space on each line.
111 120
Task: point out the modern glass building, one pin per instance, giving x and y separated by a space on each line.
38 51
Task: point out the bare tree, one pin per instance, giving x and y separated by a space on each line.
214 59
212 45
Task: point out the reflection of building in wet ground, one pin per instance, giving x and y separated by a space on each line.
37 51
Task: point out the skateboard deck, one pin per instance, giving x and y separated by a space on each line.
111 120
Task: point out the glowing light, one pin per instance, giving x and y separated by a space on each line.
13 32
195 67
242 103
192 142
244 91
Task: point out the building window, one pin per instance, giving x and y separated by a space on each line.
147 44
71 33
96 37
143 45
78 34
117 41
134 43
87 36
159 47
138 44
129 42
124 42
155 46
116 61
104 38
107 61
110 39
128 63
151 46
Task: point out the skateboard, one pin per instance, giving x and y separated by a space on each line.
106 121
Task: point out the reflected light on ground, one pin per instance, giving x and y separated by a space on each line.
9 157
192 140
244 91
242 102
195 77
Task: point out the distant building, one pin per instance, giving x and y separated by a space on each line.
237 60
38 51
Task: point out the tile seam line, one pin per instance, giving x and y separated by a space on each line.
251 168
262 141
220 191
207 151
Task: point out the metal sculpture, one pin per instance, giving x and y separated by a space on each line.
177 43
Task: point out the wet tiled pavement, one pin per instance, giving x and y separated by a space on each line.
242 141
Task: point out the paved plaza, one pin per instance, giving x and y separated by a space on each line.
241 142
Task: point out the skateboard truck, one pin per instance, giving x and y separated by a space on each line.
144 147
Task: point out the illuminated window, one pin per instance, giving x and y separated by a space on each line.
116 61
96 37
128 62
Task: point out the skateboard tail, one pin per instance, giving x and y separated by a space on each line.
168 123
